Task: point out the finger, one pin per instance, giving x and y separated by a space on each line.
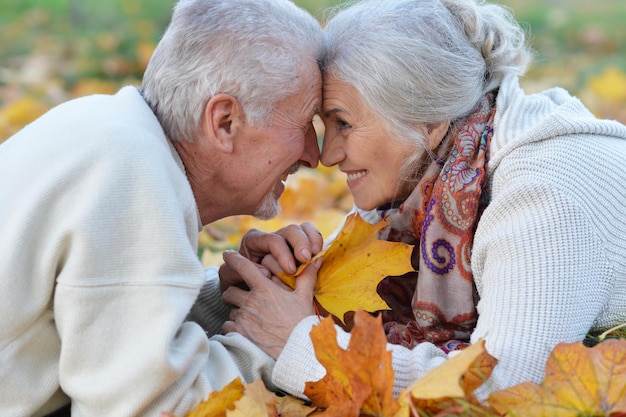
229 326
271 263
301 241
246 269
306 280
256 244
234 296
315 237
230 278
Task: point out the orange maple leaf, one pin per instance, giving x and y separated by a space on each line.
452 383
359 380
353 265
579 381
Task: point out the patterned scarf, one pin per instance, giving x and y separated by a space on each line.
437 301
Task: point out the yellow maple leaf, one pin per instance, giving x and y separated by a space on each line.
257 401
579 381
353 265
456 379
250 400
218 402
359 379
289 406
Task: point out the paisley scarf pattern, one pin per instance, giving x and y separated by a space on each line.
437 302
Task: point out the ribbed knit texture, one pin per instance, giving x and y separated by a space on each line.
549 253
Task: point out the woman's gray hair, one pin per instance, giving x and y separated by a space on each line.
423 61
253 50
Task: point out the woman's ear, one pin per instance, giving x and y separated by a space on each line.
221 115
435 132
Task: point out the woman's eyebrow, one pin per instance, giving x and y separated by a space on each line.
332 111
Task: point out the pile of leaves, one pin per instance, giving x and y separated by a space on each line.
579 381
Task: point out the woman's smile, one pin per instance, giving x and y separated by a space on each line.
354 177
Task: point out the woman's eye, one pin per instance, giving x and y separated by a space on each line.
342 124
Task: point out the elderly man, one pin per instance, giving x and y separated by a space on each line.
105 306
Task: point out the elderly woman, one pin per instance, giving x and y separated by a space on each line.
512 200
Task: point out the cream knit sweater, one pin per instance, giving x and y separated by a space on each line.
549 254
99 269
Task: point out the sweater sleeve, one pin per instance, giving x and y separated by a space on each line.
209 311
128 277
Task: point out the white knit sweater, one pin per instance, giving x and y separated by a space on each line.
549 253
99 269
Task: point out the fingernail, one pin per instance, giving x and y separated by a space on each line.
292 267
306 253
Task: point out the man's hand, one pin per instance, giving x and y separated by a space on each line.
269 311
280 251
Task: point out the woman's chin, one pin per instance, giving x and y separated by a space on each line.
364 205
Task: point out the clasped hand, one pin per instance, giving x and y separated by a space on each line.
267 310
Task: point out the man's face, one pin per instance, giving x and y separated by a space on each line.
277 150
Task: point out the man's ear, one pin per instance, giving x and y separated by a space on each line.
221 116
435 132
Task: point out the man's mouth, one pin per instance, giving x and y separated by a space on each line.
291 170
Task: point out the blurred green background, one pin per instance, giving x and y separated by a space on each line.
53 50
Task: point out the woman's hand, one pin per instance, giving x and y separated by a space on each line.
269 311
280 251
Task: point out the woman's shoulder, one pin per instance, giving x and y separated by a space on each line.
549 119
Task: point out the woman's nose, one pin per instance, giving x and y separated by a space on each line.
332 152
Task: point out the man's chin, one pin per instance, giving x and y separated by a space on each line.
268 209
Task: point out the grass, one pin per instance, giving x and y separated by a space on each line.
558 27
69 42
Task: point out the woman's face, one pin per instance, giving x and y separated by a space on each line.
356 140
